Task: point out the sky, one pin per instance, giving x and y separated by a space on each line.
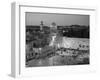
59 19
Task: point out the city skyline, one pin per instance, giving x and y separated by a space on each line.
59 19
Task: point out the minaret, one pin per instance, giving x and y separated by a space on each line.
41 25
